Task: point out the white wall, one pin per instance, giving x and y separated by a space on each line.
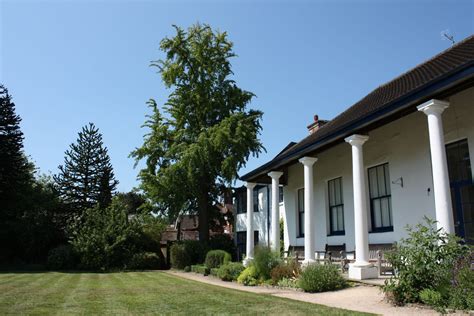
404 145
260 218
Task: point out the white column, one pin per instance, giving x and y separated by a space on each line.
361 269
275 227
309 233
250 240
443 204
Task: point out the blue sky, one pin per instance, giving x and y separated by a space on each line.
68 63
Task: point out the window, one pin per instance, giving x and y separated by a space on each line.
301 212
336 207
242 243
459 161
241 201
255 199
380 199
280 191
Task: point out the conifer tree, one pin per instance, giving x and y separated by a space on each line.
15 171
16 176
87 178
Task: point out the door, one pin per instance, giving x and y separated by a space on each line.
462 189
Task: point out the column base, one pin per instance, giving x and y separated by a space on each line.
247 261
358 272
307 262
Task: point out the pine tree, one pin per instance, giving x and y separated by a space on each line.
16 176
86 179
15 171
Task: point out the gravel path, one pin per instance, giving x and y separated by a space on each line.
361 298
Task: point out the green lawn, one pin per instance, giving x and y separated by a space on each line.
135 293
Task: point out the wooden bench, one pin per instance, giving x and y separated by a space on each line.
294 252
376 256
332 254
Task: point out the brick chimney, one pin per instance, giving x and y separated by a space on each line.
317 124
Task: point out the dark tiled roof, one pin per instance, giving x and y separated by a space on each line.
460 55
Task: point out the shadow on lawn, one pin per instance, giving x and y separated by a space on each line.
40 268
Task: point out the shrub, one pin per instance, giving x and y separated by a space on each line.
424 260
187 269
230 271
61 258
214 271
461 295
288 270
291 283
216 258
223 242
201 269
264 261
248 276
432 297
187 253
321 278
105 238
178 257
145 260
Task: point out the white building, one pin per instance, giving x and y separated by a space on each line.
401 153
261 216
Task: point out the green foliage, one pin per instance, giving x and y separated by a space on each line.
264 261
230 271
28 221
187 269
106 239
461 293
15 170
432 297
132 202
214 271
145 261
288 282
62 258
285 270
248 276
222 242
206 134
424 260
321 278
201 269
186 253
86 179
216 258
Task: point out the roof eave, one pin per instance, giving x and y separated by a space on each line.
455 77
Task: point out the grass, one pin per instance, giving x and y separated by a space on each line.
134 293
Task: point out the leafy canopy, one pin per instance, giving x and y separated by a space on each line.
204 133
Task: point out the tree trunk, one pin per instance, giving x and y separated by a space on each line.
203 209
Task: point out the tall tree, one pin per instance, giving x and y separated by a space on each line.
15 171
16 174
86 179
207 134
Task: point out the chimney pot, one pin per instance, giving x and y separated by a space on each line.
313 127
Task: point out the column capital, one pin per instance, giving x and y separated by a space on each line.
308 161
250 185
275 174
356 139
433 107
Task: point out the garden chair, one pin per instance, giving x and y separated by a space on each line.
332 254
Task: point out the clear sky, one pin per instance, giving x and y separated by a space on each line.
68 63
